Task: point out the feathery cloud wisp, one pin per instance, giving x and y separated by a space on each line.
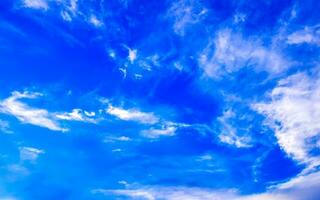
294 113
27 114
132 115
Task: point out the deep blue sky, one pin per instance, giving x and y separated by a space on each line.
159 100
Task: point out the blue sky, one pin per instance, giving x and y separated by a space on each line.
159 100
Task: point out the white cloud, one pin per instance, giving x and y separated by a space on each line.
164 128
78 115
123 71
185 13
239 17
114 139
95 21
307 35
27 114
229 134
205 157
70 9
112 54
29 153
305 181
66 16
306 188
4 127
132 55
116 150
155 133
73 7
36 4
229 52
132 115
293 111
17 171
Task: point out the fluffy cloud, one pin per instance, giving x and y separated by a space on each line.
185 14
132 55
78 115
116 139
30 153
27 114
301 188
229 52
95 21
293 111
309 35
169 193
36 4
155 133
132 115
229 134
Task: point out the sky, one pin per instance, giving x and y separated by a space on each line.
159 100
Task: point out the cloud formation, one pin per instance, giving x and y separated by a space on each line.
229 52
185 14
309 35
77 115
27 114
132 114
293 111
36 4
29 153
301 188
229 134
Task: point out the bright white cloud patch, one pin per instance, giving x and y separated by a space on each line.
78 115
229 134
95 21
66 16
27 114
117 139
301 188
185 14
155 133
132 55
173 193
239 17
30 153
229 52
132 115
294 113
73 6
36 4
307 35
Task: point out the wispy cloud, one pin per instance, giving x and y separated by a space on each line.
157 132
29 153
36 4
229 134
132 114
95 21
171 193
229 52
78 115
27 114
310 35
185 13
132 54
302 188
293 111
116 139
